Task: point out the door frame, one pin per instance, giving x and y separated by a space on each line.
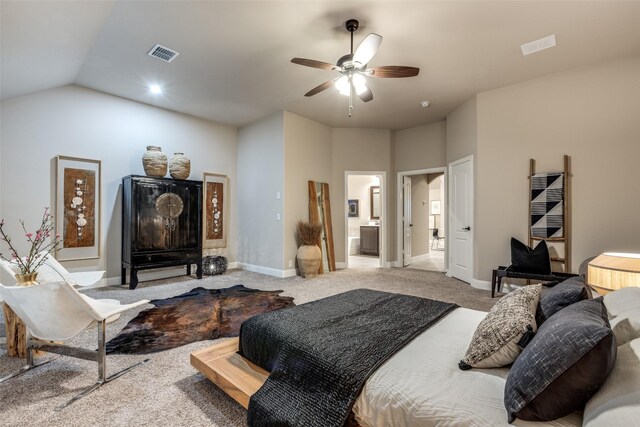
470 195
382 258
400 206
407 255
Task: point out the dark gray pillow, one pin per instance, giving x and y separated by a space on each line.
560 296
563 366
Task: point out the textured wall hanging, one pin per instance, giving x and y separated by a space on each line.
215 215
78 208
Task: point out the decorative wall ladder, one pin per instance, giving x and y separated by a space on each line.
548 220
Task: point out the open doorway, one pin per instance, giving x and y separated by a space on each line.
365 219
422 233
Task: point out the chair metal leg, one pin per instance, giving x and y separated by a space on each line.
102 368
102 355
30 362
100 383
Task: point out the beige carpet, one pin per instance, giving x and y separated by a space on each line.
167 391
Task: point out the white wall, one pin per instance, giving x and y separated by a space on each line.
78 122
359 188
260 177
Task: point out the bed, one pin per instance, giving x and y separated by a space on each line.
420 385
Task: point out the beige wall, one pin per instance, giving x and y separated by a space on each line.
462 141
416 148
462 131
419 215
591 114
357 150
307 156
79 122
260 177
420 147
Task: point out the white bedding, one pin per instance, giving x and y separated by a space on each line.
421 385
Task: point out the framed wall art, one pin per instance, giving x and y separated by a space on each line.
435 207
77 213
216 211
354 208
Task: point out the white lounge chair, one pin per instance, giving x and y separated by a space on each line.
56 311
52 271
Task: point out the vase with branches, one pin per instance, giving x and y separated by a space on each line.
42 242
309 254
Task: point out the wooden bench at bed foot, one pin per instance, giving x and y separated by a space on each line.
234 374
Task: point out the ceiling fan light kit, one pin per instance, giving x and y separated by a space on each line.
353 68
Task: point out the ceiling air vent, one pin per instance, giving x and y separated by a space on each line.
163 53
538 45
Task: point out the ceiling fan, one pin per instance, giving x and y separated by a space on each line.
353 68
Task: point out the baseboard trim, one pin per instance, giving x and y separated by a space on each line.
341 265
274 272
155 274
481 284
485 285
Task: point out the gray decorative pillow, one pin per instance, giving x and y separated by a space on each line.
564 365
560 296
506 330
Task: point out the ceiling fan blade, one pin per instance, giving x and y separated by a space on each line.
368 47
321 87
313 63
367 95
393 71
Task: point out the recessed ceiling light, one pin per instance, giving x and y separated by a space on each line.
538 45
155 89
425 104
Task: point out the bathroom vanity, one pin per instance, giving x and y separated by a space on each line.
370 240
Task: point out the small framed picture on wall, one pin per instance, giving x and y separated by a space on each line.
354 208
435 207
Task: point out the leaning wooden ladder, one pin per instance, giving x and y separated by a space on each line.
565 240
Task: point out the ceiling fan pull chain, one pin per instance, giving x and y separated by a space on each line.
350 96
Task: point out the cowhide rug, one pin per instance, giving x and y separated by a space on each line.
200 314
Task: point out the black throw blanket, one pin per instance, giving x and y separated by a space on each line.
321 353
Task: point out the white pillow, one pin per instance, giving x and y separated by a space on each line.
626 326
617 403
622 300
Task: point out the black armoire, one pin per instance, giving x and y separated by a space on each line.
161 225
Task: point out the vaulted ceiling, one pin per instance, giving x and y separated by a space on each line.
234 64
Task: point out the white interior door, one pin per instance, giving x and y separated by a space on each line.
461 219
406 220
